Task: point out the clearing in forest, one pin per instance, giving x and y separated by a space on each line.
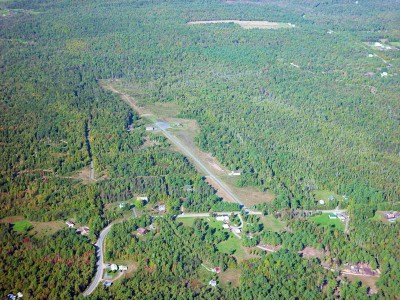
367 281
185 130
248 24
38 229
230 277
272 223
324 220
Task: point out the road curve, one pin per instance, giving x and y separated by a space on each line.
190 154
100 256
100 261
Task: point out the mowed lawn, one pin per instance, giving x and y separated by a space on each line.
324 220
272 223
325 194
232 244
189 221
22 226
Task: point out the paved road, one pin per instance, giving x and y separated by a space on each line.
190 154
100 261
194 215
202 215
100 258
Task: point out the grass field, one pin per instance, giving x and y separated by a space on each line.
325 194
229 277
22 226
324 220
187 221
41 229
232 244
272 223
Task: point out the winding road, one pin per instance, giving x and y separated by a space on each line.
100 257
100 261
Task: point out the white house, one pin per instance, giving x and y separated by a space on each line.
114 267
384 74
213 283
122 268
226 226
222 218
20 295
143 198
149 128
234 173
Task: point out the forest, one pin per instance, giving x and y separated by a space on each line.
296 110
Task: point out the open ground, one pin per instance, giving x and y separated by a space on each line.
247 24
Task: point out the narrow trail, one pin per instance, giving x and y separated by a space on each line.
89 150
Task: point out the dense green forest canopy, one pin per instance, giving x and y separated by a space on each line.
296 110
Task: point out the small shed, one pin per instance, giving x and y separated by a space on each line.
123 268
70 224
85 230
390 215
11 296
142 198
20 295
213 283
149 128
321 201
122 205
234 173
107 283
161 208
332 216
188 187
225 226
217 270
142 231
222 218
